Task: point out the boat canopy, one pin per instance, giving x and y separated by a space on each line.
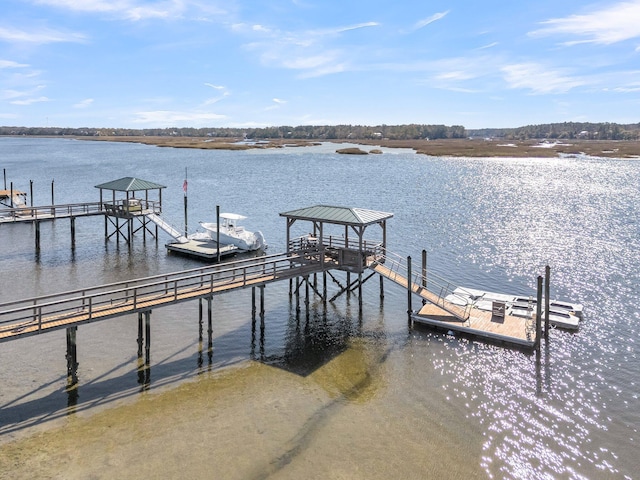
232 216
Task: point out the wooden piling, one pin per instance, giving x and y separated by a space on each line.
73 231
409 292
539 314
72 355
210 322
547 275
200 319
37 227
424 269
140 334
147 340
253 300
306 290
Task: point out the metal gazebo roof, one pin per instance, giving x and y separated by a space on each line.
338 215
130 184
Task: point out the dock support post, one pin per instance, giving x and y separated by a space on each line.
53 202
262 303
210 324
297 294
72 356
409 307
73 232
306 289
140 334
324 287
539 315
37 225
381 287
547 275
253 301
147 340
200 319
424 269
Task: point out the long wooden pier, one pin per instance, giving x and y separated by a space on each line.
50 212
45 313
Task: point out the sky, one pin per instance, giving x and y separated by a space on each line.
209 63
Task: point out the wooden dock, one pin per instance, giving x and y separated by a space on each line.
438 312
204 249
480 323
33 316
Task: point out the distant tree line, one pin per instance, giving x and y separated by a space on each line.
559 131
304 132
564 131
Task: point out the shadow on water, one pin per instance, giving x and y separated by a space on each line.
311 339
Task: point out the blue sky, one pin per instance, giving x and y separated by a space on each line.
209 63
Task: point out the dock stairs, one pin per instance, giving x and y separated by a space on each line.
431 287
167 227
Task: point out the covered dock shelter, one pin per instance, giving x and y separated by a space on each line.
128 203
351 250
347 250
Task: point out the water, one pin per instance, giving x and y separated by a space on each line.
332 394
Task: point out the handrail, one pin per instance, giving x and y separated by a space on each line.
137 295
434 283
49 211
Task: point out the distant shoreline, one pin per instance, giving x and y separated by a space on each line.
625 149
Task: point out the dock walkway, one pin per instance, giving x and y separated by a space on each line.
32 316
438 312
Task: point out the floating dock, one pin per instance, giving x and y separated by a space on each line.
481 323
204 249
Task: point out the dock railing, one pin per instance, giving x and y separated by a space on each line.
47 212
442 289
33 315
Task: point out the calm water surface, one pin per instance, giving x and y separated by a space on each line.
332 393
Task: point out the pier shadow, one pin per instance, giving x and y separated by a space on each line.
312 338
309 342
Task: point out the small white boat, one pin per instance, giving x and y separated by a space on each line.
562 314
233 234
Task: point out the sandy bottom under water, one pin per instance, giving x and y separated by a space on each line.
254 421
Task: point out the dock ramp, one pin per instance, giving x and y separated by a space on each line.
431 287
167 227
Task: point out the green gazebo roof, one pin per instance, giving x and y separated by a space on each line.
338 215
130 184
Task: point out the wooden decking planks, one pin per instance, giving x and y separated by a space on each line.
441 313
143 302
446 306
481 323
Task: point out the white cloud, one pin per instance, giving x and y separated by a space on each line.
129 9
426 21
29 101
311 51
490 45
11 64
41 36
279 101
612 24
211 101
539 79
216 87
174 118
87 102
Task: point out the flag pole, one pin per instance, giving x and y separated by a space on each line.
184 187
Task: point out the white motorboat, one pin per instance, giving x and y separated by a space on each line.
233 234
562 314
